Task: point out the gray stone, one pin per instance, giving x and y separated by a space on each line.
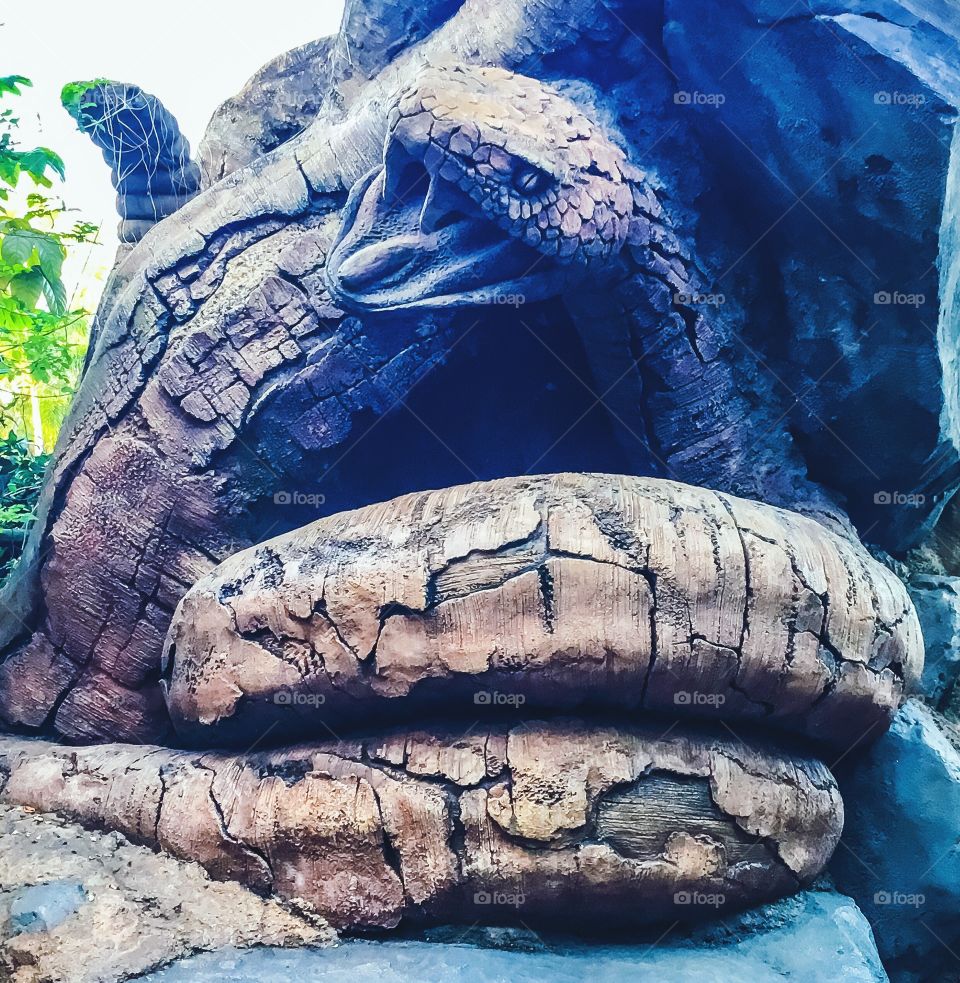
900 853
937 600
836 119
42 907
82 906
816 936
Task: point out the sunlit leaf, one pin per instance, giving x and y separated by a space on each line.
27 287
16 248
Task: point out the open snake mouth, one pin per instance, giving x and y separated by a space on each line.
410 239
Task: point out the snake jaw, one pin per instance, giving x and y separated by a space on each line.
491 184
411 239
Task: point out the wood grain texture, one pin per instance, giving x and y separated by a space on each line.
553 591
219 310
553 821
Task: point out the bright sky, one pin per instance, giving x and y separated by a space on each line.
192 54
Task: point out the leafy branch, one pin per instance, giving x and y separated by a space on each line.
42 337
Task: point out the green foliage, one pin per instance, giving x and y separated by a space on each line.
21 478
75 97
42 335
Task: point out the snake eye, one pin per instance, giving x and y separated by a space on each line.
529 180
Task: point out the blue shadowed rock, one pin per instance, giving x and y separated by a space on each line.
937 600
900 853
41 907
815 936
831 130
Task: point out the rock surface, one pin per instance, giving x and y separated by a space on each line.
558 591
831 126
78 906
937 602
541 822
42 907
817 937
900 858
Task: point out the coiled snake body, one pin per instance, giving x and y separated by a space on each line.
611 596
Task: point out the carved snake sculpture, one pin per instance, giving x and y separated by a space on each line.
472 153
217 322
587 591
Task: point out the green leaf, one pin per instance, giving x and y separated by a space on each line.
56 295
75 97
17 248
9 83
26 287
51 255
9 169
42 345
36 162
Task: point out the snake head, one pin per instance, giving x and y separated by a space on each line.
491 183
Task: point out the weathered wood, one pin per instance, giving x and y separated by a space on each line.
557 591
221 316
527 821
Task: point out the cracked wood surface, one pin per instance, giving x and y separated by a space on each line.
145 511
202 325
532 821
552 591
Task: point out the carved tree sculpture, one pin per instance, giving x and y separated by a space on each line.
451 237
